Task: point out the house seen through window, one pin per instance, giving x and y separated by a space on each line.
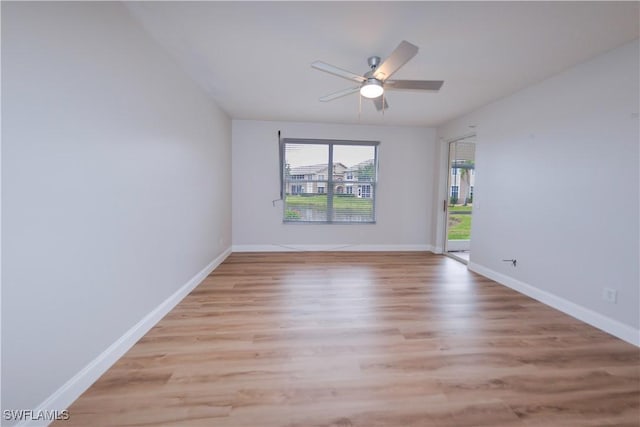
327 181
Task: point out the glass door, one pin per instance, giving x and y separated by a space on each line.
459 205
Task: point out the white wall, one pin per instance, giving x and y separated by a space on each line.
403 203
116 186
557 189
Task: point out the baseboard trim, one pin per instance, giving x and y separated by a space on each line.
336 247
604 323
79 383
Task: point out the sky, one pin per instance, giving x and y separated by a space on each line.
311 154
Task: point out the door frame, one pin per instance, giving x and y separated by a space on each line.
443 211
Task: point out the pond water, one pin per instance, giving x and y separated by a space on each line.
314 215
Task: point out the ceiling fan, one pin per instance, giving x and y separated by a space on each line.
375 81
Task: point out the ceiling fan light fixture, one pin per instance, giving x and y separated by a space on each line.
372 88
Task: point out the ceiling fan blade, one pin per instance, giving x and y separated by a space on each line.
414 84
378 103
328 68
340 94
400 56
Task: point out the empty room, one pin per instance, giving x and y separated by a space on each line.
271 214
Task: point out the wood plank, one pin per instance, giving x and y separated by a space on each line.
364 339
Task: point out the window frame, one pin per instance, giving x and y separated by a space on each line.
330 183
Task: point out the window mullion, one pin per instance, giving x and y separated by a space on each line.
330 185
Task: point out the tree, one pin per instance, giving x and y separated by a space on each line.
366 172
465 180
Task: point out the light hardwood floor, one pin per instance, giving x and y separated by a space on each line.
364 339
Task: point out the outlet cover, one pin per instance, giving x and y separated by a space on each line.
610 295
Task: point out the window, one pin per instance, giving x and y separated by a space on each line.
454 195
454 171
325 165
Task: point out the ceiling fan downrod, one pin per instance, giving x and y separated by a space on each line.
373 62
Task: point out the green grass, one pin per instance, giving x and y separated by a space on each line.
459 227
460 208
320 202
460 222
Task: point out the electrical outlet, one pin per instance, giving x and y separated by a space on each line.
610 295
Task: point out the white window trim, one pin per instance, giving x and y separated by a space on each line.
330 182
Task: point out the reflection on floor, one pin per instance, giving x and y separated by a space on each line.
460 255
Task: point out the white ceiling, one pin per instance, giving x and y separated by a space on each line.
254 58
